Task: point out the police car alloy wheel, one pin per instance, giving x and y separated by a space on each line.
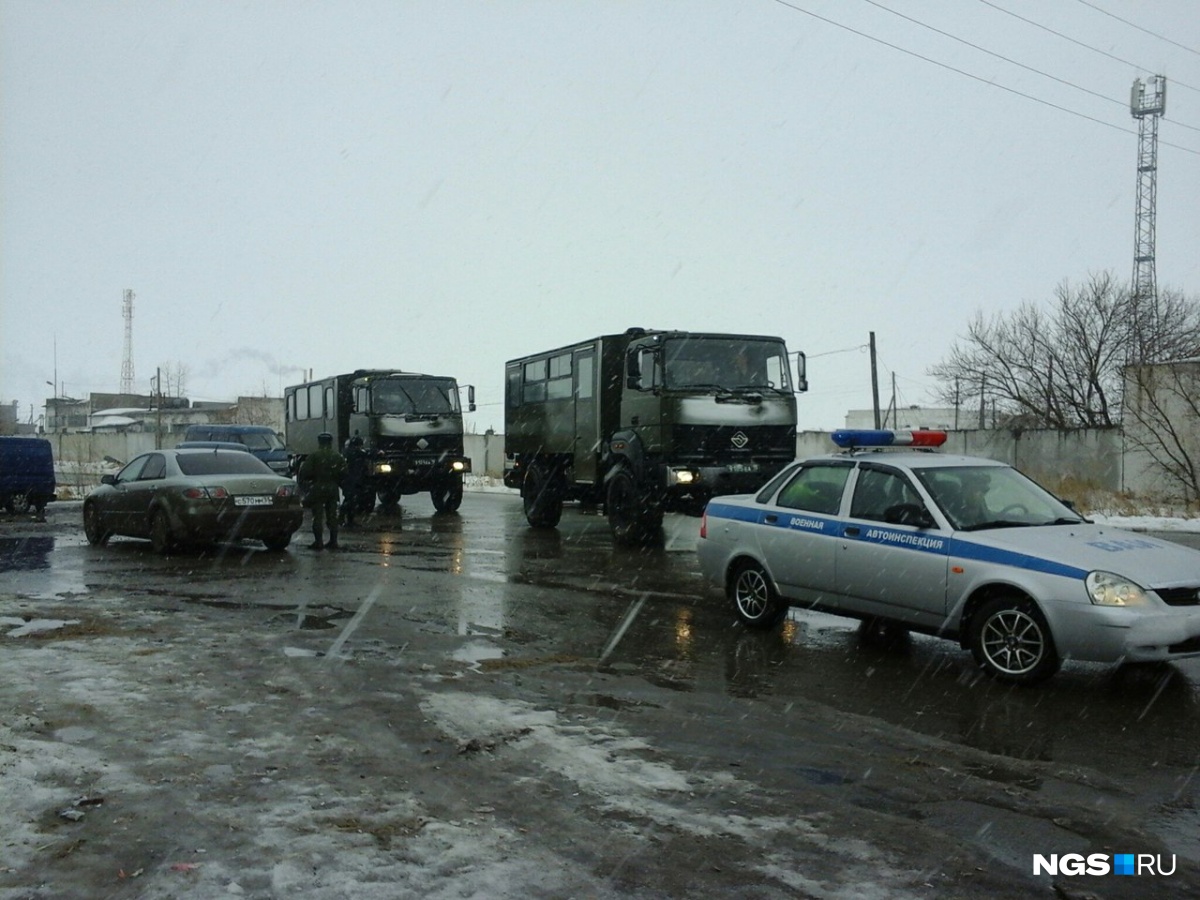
1010 639
754 597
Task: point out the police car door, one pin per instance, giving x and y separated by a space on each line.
799 541
885 569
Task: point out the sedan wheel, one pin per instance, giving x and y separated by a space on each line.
1010 639
160 533
754 597
97 534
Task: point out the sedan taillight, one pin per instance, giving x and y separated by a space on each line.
285 490
206 493
704 525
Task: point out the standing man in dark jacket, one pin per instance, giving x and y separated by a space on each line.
320 474
356 495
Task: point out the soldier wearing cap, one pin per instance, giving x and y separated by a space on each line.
320 474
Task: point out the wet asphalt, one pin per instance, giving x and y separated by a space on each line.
494 598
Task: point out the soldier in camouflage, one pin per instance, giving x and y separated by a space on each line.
319 476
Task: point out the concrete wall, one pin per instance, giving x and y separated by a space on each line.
1091 458
1088 456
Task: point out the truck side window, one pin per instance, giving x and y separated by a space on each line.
314 402
512 386
329 405
559 385
534 390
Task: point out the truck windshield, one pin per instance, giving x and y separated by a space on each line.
411 396
726 363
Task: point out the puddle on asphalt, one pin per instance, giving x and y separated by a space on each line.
29 568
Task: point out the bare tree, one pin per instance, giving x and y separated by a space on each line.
174 379
1063 367
1163 420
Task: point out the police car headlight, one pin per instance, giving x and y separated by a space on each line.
1107 589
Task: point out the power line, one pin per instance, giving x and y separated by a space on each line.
1139 27
942 65
1067 37
1009 60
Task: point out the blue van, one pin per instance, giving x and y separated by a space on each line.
26 474
262 440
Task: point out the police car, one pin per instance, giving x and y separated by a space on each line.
892 531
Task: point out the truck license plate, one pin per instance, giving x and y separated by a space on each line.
252 501
742 467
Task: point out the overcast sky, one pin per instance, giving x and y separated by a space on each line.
440 186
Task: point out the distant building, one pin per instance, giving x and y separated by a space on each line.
910 417
10 421
123 413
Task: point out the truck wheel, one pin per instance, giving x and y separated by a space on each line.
542 497
625 506
18 503
754 596
389 498
447 496
1011 641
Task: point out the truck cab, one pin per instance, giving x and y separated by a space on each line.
646 422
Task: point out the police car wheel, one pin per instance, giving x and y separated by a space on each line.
754 596
1011 641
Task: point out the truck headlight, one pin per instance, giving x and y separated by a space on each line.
1107 589
383 468
682 476
457 466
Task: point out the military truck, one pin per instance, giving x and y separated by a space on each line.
411 426
647 422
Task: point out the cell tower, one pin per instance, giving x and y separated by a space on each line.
1147 103
127 359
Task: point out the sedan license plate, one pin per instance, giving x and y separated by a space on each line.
252 501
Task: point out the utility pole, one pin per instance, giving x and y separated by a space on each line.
875 382
1147 106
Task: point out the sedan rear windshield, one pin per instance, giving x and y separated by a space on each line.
222 462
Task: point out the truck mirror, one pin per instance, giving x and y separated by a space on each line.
470 398
633 371
801 373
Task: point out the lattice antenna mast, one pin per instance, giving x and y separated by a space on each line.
127 359
1147 103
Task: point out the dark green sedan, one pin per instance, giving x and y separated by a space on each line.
194 497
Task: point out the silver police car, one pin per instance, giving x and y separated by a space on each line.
896 533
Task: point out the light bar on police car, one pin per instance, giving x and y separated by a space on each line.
849 438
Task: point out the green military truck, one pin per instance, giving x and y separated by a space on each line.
411 425
647 422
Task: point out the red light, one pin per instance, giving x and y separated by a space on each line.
928 438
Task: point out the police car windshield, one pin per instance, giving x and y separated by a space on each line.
974 498
728 364
406 397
